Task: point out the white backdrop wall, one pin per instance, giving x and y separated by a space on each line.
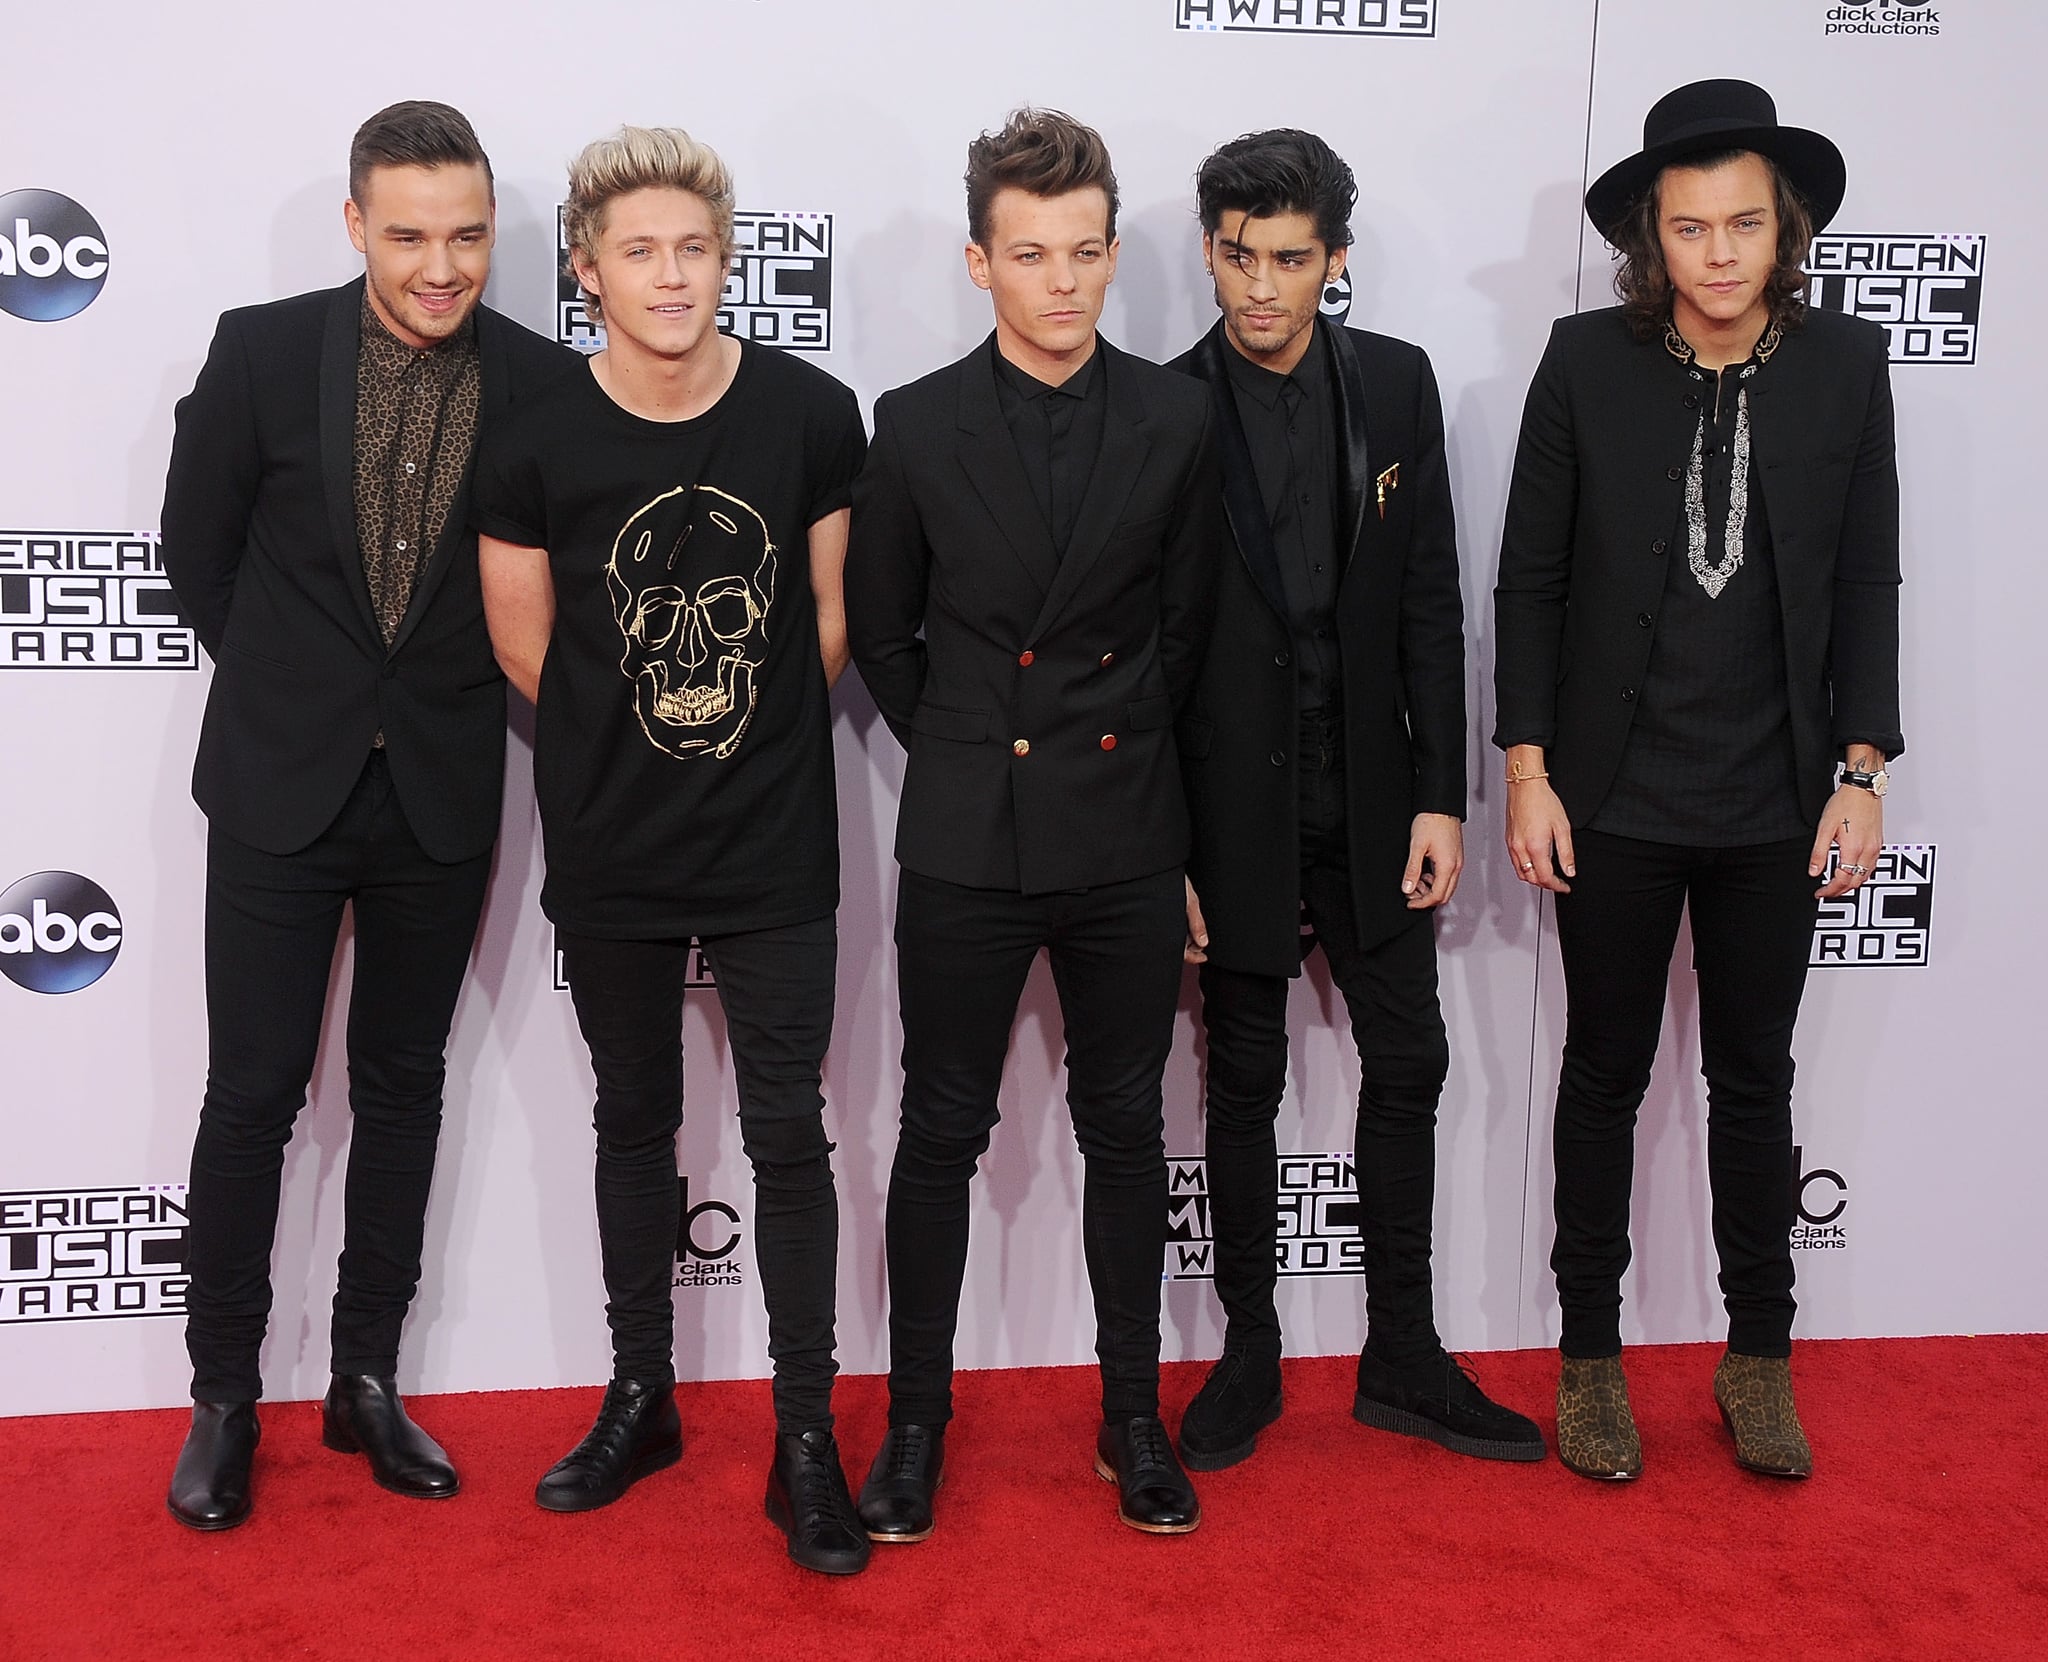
207 142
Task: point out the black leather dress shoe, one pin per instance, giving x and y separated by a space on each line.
896 1500
1440 1399
1239 1399
808 1502
1137 1456
362 1415
210 1483
638 1431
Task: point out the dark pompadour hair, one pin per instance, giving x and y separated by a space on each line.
416 133
1280 171
1043 152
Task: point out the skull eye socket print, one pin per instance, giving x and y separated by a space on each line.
694 616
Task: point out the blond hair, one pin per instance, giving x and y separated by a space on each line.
641 158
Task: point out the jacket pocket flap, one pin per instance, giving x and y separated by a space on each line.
1147 714
939 722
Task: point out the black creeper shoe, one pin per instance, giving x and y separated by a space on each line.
1239 1399
1440 1399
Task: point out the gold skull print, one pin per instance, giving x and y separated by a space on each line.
692 576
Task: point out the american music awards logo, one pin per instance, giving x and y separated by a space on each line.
1412 19
1887 922
778 292
1926 289
1318 1218
70 1255
89 600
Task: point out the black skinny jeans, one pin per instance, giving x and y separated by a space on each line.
777 989
1752 932
271 924
962 957
1390 991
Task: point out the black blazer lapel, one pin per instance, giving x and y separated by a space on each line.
1355 485
988 456
340 346
1242 505
494 389
1125 444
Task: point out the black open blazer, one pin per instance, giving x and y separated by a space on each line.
1401 639
1593 517
1035 693
259 540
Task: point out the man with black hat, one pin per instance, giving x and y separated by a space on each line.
1324 755
1698 626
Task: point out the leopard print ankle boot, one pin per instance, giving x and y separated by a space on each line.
1755 1397
1596 1432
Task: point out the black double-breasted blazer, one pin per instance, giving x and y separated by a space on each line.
1034 692
259 540
1401 641
1594 517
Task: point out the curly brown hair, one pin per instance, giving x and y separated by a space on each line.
1644 286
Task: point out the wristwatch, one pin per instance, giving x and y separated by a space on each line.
1875 783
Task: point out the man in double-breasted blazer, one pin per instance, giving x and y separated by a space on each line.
352 753
1324 750
1028 590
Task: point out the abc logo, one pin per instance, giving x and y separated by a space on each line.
1337 298
53 256
1883 5
58 932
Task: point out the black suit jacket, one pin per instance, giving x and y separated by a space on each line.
1401 639
259 539
1035 694
1592 524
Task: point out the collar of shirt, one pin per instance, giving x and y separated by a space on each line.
391 356
1081 384
1261 383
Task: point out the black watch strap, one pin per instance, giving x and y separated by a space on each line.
1860 779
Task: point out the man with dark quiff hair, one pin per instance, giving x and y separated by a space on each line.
1040 152
1028 591
351 757
1324 751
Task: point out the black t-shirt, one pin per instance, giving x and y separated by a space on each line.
683 747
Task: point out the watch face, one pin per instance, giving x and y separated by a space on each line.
1880 782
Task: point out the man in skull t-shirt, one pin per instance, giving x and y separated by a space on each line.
683 745
661 547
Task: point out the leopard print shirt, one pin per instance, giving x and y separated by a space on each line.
416 418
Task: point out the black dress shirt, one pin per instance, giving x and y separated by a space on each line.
1058 431
1289 428
1708 761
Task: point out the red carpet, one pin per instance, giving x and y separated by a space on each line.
1922 1536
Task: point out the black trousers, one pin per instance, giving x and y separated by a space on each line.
1752 932
271 925
962 957
777 989
1390 991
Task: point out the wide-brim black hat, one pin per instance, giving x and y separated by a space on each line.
1720 115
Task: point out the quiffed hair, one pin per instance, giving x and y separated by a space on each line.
1280 171
1042 152
641 158
416 133
1642 283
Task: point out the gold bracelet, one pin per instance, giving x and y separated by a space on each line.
1524 778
